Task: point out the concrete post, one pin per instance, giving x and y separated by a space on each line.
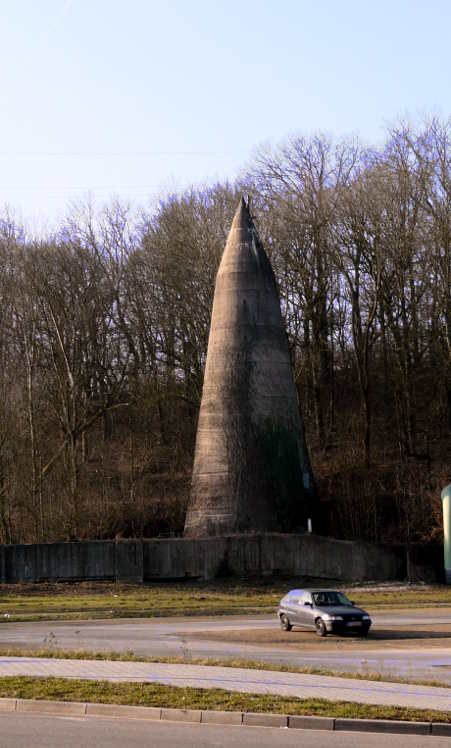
446 498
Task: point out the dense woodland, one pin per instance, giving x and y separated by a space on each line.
104 330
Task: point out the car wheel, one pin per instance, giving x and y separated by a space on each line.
320 627
285 623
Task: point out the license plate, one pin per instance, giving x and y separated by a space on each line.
355 623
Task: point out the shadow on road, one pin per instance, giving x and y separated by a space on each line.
414 633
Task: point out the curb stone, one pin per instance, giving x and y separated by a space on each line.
261 719
72 708
441 728
123 710
222 718
383 725
181 715
8 705
265 720
311 723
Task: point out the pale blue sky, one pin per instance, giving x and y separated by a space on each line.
130 98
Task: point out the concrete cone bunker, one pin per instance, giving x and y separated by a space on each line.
251 467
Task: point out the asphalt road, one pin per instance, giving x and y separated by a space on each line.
23 731
174 637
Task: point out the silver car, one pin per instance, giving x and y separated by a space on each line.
325 611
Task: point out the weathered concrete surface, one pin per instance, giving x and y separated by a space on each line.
272 553
251 467
66 561
128 561
205 558
178 558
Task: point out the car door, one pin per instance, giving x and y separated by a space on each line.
293 608
305 617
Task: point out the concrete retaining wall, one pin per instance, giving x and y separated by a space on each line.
65 561
206 558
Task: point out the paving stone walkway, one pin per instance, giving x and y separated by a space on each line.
236 679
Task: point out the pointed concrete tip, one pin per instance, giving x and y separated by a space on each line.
242 218
242 206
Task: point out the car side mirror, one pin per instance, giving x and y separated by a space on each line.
352 602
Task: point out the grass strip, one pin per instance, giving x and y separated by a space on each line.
236 662
76 601
151 694
93 615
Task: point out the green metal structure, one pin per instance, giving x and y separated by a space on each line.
446 498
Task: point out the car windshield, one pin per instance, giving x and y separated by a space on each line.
330 598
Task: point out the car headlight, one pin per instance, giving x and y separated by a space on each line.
365 618
328 617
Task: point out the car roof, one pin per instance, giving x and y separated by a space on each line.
311 589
